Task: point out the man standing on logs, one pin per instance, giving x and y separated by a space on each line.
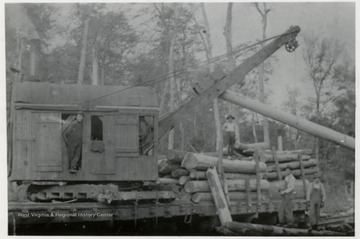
315 198
286 191
230 128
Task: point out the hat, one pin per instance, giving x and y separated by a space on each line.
317 175
230 116
80 112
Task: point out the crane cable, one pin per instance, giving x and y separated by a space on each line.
206 62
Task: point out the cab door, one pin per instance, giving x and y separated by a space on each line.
101 148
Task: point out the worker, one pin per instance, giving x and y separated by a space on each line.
230 128
72 134
315 199
287 188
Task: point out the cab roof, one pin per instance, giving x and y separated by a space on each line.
73 94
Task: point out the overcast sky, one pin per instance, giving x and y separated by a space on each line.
336 20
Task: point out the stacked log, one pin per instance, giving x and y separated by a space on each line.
289 159
186 172
301 170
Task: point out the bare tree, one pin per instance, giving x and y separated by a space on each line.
320 56
264 14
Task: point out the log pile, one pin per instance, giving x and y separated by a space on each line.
187 172
278 161
289 159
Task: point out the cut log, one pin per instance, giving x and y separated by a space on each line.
233 185
292 120
269 158
202 175
162 187
275 187
167 181
177 173
295 151
296 173
293 165
166 167
175 156
251 147
219 196
184 179
203 162
233 196
183 195
143 195
249 229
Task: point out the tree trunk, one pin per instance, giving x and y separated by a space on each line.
227 34
172 86
83 53
203 162
293 165
95 67
289 119
269 158
179 172
166 167
263 14
297 173
200 175
233 185
175 156
33 58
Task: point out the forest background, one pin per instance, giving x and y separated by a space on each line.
169 46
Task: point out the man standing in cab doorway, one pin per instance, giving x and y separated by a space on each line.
285 212
72 134
230 128
315 199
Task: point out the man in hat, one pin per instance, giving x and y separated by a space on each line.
72 134
285 212
315 198
230 128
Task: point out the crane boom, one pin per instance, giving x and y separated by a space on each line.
215 84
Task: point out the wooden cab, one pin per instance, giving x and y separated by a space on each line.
118 139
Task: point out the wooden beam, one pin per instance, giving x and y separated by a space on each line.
219 197
302 173
289 119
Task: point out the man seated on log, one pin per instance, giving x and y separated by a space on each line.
72 134
230 128
285 212
315 199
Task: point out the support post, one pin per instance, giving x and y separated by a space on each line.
276 163
218 195
258 189
302 173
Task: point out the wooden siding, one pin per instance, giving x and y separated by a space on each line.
23 142
127 135
40 152
47 135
